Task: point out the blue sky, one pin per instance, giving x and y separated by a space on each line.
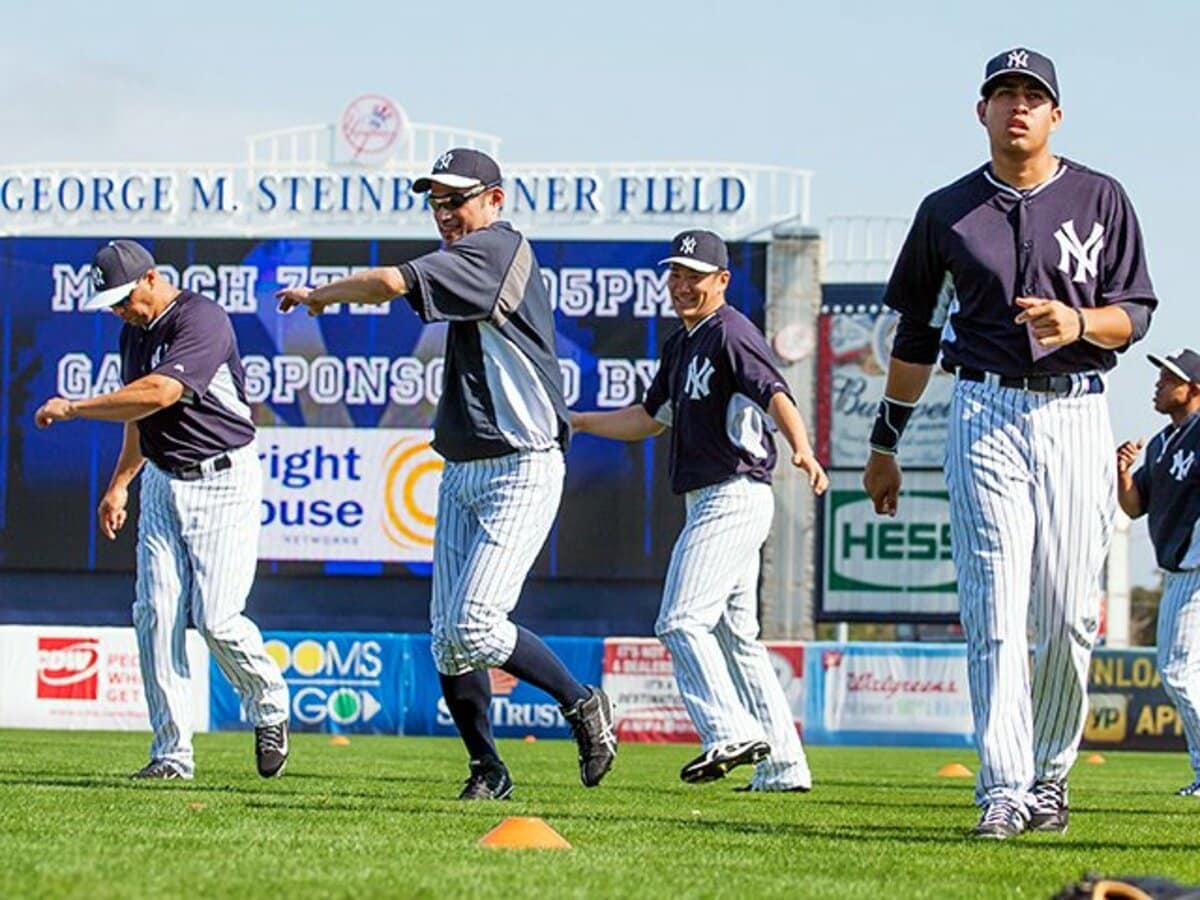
876 98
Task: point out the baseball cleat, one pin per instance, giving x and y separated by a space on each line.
1191 790
591 720
1048 807
489 780
1000 819
271 749
161 770
716 763
753 788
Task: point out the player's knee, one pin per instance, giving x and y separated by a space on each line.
473 642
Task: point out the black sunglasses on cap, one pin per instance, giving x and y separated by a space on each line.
457 200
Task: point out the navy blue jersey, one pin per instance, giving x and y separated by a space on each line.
978 244
713 387
1168 483
503 389
191 341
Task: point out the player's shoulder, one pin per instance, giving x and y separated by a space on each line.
966 190
192 310
1080 173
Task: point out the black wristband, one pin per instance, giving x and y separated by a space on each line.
893 415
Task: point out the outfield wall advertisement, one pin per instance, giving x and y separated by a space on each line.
84 678
1128 706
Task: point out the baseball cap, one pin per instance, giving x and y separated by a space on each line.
699 250
116 268
460 167
1021 61
1183 364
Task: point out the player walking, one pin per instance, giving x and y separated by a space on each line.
185 411
720 394
502 426
1167 488
1038 262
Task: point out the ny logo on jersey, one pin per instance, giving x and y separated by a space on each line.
699 372
1181 464
159 352
1085 253
1019 59
443 162
688 245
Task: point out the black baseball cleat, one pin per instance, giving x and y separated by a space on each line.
489 780
716 763
1001 819
1191 790
1048 807
591 720
161 770
271 749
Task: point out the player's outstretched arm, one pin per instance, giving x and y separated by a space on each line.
791 425
112 505
379 285
906 383
1128 494
134 401
632 423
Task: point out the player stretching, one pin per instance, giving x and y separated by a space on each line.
502 426
185 411
720 394
1167 487
1038 262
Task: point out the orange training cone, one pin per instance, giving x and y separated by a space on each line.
1095 759
340 740
954 770
524 833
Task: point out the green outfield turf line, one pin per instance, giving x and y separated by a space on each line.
378 818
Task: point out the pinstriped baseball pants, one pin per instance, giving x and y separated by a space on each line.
1179 653
492 520
1032 498
196 554
709 623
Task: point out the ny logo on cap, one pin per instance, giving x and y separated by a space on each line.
1085 253
1019 59
97 277
443 162
688 245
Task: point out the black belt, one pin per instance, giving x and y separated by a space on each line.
195 471
1039 384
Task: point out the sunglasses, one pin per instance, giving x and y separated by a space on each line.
456 201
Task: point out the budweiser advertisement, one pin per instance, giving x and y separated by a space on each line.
58 677
639 678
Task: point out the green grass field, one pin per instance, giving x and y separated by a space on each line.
379 818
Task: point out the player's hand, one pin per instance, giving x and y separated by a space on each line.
817 479
882 479
290 298
56 409
1054 323
112 511
1127 454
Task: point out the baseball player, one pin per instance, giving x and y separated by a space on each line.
1038 263
502 425
722 396
185 413
1167 488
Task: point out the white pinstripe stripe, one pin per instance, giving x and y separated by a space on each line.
493 518
197 552
1032 500
1179 652
709 623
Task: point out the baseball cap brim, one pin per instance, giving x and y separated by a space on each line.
688 262
110 297
421 185
1027 73
1170 367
